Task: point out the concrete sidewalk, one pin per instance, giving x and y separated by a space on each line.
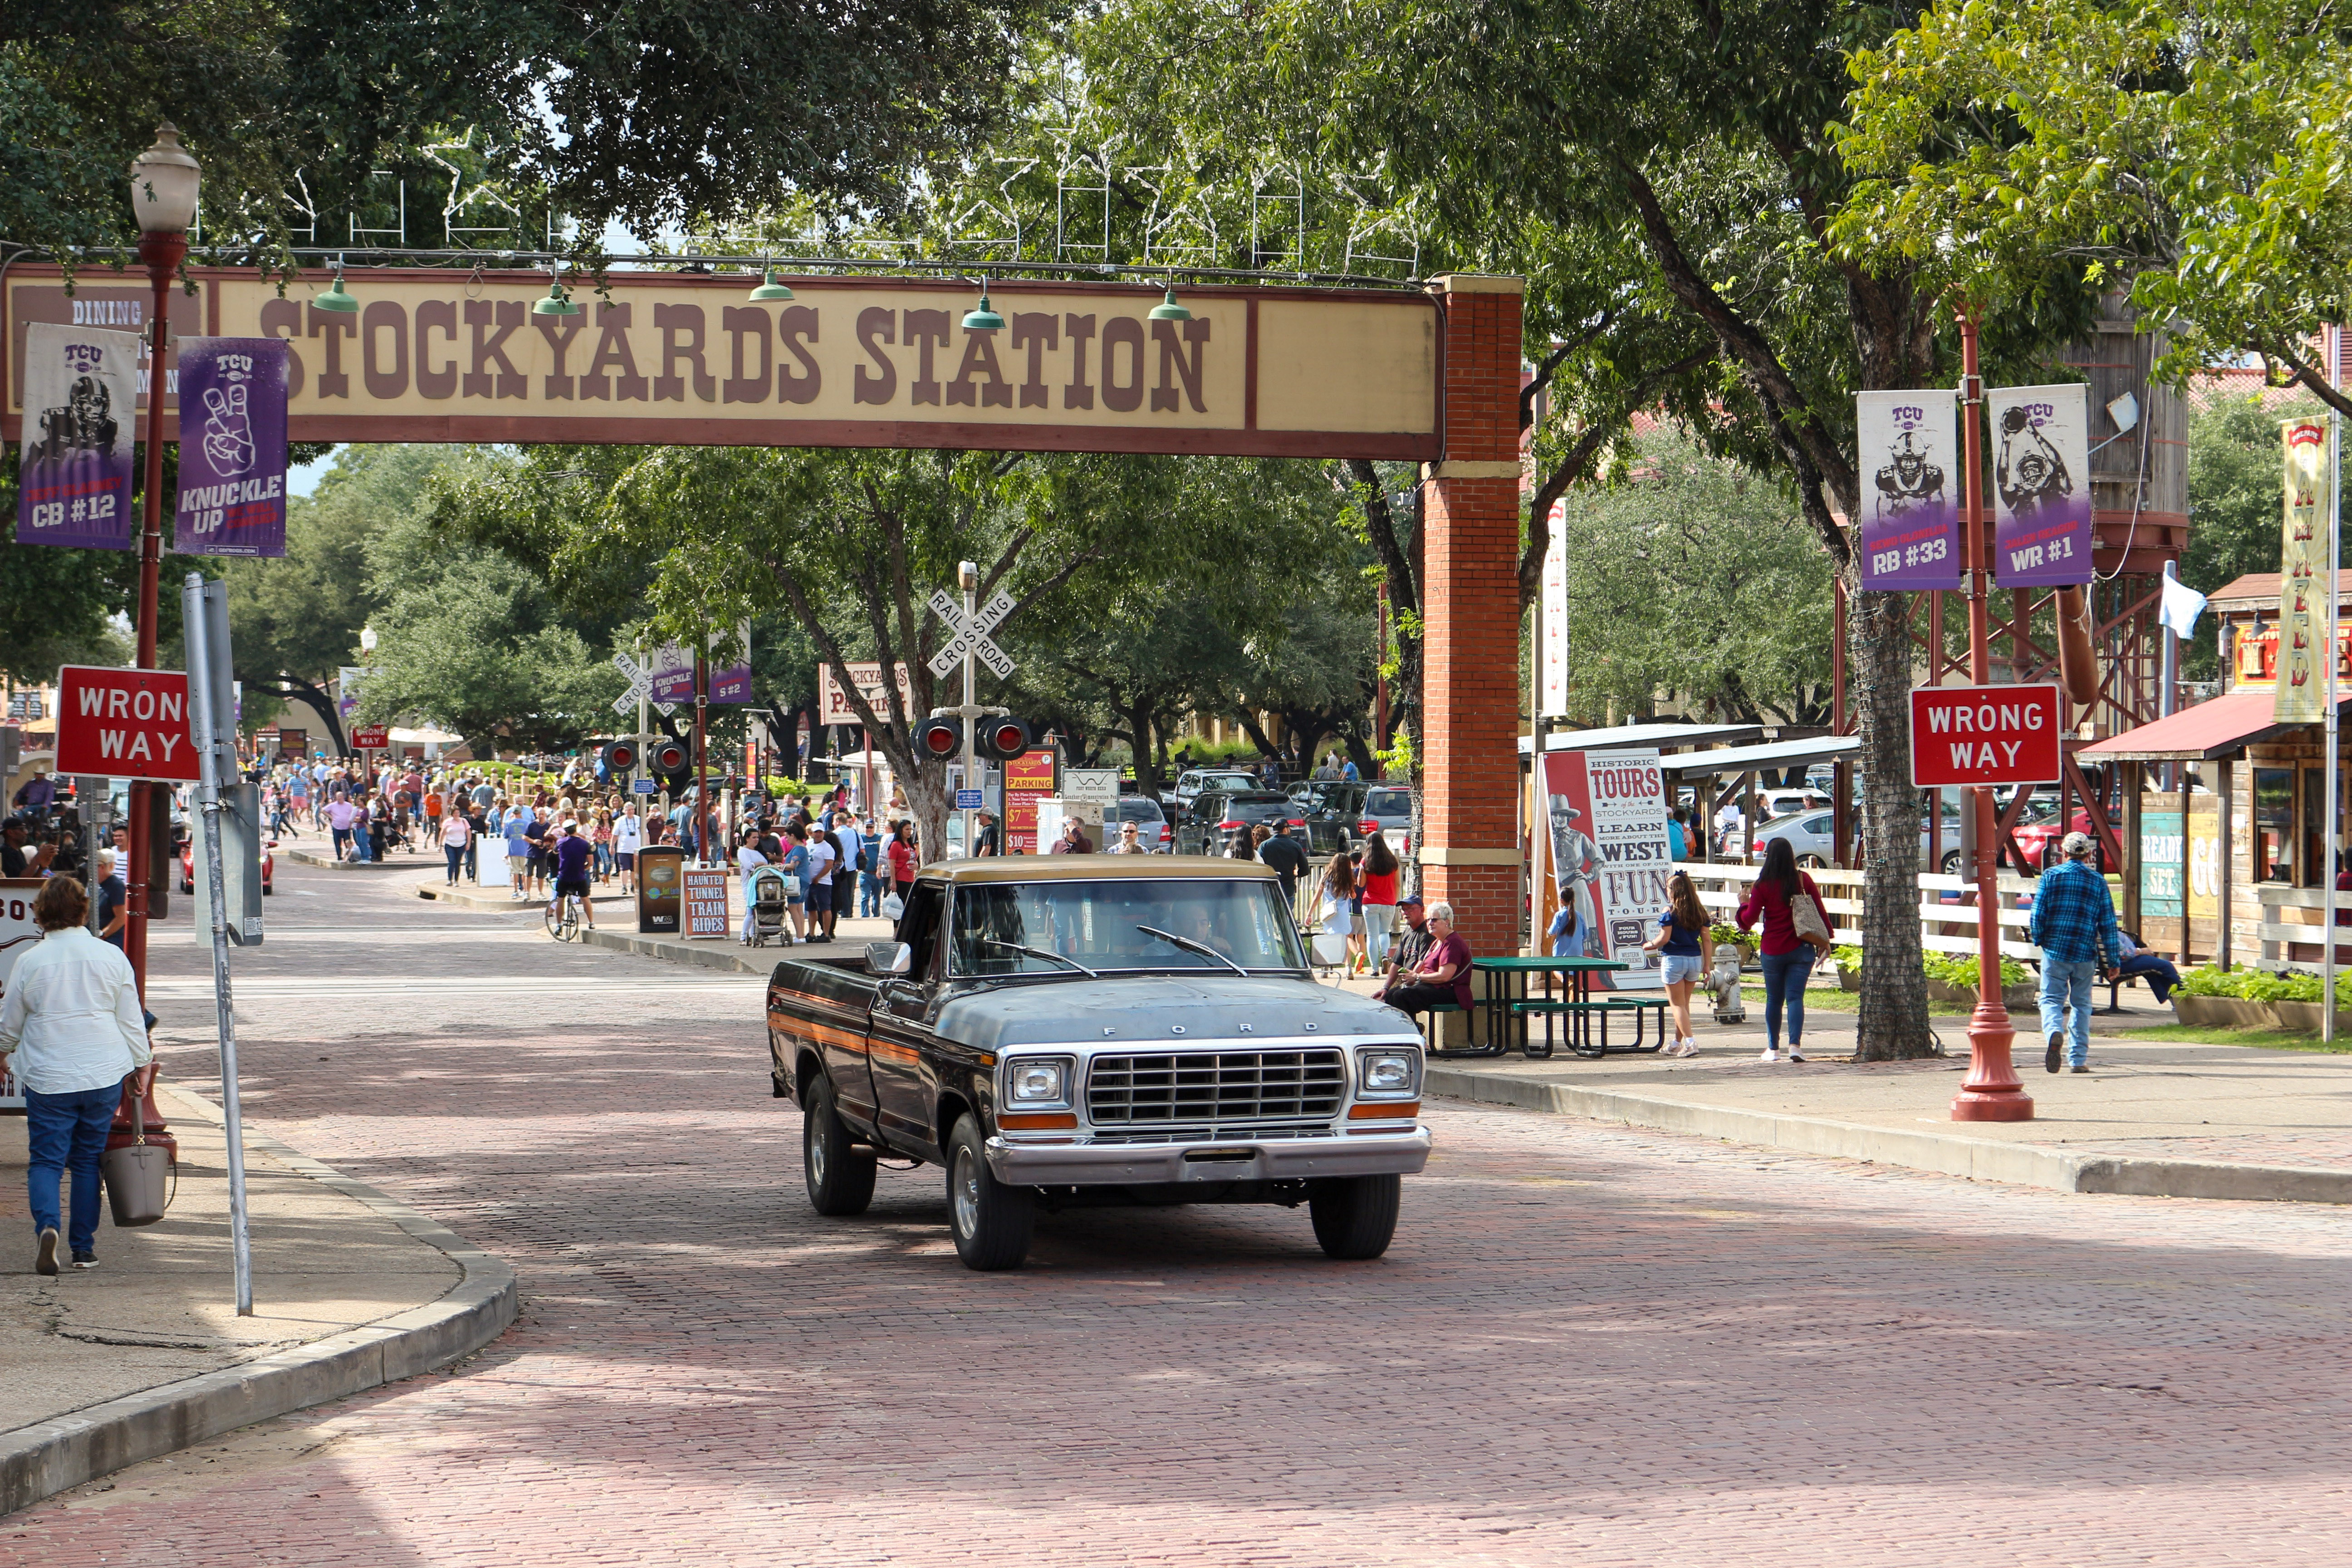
619 931
146 1354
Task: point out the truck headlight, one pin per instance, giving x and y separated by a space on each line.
1038 1080
1388 1073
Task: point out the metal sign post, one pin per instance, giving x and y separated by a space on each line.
204 616
970 647
2332 865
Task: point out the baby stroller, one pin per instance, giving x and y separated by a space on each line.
763 895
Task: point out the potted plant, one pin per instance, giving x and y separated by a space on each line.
1724 931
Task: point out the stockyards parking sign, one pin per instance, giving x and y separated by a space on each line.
850 362
1610 856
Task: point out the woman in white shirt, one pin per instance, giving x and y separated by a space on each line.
823 856
627 834
72 1030
747 855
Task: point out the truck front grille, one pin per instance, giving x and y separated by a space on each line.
1214 1088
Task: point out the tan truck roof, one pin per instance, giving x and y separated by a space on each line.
1095 869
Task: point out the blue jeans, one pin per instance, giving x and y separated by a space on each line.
2159 973
870 888
1785 974
2066 1003
457 854
66 1133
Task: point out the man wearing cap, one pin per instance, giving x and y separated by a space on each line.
1411 947
2073 924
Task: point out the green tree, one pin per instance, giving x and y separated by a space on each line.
643 111
2193 151
1691 577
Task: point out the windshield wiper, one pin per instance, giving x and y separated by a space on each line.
1041 952
1189 946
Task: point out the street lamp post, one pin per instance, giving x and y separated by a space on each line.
163 183
1991 1092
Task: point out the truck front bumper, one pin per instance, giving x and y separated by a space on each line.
1037 1164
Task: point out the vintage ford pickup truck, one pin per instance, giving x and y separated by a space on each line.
1087 1029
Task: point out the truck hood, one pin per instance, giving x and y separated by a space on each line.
1083 1011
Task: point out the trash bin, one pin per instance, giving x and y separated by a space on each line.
661 885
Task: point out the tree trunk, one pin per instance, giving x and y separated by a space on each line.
1892 1022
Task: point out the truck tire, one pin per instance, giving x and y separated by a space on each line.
840 1183
991 1222
1355 1216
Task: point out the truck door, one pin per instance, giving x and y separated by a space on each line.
900 1031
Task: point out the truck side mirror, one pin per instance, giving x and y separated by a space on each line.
889 957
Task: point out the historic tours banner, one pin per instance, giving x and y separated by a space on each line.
80 396
1609 856
2041 485
1910 509
2303 593
232 497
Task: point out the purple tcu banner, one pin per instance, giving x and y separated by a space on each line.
733 684
81 397
1911 510
232 447
2041 485
673 672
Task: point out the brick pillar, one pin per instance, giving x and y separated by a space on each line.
1470 612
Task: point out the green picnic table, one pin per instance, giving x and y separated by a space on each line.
1508 1002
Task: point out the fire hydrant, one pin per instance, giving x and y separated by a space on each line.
1723 986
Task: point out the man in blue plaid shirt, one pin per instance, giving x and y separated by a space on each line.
2073 924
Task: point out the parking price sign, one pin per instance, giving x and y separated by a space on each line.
1986 736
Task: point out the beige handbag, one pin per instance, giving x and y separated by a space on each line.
136 1175
1805 915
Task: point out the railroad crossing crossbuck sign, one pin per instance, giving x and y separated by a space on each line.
971 635
641 681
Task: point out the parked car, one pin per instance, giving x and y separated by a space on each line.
1150 822
1812 837
1208 825
2040 832
1334 814
188 865
1196 782
1059 1031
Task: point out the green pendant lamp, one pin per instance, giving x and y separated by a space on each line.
335 299
1167 309
770 290
984 320
557 304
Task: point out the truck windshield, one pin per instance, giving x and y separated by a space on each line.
1100 924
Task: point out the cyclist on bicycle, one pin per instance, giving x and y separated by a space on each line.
574 852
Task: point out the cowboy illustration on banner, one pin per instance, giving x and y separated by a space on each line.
1610 856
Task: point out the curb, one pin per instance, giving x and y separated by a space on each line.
707 956
329 863
471 897
1976 1159
51 1455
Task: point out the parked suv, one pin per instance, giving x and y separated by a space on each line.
1337 814
1209 825
1196 782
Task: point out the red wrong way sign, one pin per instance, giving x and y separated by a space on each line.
371 738
1985 734
125 724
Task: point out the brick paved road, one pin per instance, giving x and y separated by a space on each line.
1588 1346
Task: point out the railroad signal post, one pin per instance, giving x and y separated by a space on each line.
970 646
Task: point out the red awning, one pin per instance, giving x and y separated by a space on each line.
2219 727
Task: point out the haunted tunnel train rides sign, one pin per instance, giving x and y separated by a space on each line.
438 356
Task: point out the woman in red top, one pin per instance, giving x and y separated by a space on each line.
1787 959
901 853
1380 889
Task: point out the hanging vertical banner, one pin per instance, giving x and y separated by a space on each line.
232 498
81 399
1610 856
2303 593
733 684
673 669
2041 485
1555 618
1911 511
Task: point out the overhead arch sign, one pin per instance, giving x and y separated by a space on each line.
850 362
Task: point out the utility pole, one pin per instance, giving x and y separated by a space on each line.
701 768
968 579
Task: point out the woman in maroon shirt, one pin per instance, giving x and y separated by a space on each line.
1787 959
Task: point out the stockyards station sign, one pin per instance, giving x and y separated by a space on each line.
449 356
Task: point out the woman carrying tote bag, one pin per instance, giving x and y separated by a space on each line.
1786 900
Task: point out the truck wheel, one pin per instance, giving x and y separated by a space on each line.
839 1182
991 1222
1355 1216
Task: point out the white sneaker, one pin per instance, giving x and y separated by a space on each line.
1768 1054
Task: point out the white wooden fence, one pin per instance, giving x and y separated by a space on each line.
1943 927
